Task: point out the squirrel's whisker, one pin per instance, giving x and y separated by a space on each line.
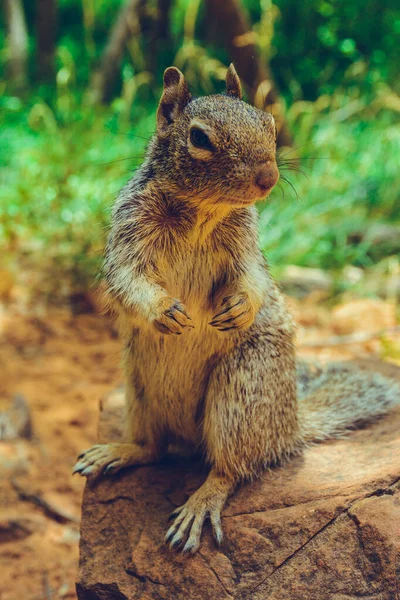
131 135
290 184
111 162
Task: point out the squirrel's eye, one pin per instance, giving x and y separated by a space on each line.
200 139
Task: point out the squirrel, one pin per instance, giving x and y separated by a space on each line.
209 355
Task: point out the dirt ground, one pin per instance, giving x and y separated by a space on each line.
62 364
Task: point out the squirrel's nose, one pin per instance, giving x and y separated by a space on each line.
266 177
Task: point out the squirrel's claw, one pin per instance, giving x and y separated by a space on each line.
238 313
187 527
97 460
173 320
216 526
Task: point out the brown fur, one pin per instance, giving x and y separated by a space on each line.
209 358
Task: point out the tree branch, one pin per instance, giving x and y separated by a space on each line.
230 21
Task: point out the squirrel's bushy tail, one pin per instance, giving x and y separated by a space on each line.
339 397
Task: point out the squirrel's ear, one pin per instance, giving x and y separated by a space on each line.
175 96
233 85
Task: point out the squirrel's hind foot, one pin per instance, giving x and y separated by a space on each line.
208 501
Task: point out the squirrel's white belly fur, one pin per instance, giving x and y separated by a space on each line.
174 368
173 371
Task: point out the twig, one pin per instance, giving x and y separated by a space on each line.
50 510
46 586
354 338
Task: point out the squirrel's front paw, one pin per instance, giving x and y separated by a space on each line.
171 317
237 312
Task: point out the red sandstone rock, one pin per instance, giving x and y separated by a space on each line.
325 527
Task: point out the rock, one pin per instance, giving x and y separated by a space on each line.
14 526
326 526
14 458
366 315
382 239
15 419
302 281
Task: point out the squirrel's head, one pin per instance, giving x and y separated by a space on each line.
216 148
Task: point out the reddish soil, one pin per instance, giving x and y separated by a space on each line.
62 365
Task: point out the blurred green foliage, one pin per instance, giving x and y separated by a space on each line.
314 42
62 160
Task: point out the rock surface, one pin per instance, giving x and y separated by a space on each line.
326 527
